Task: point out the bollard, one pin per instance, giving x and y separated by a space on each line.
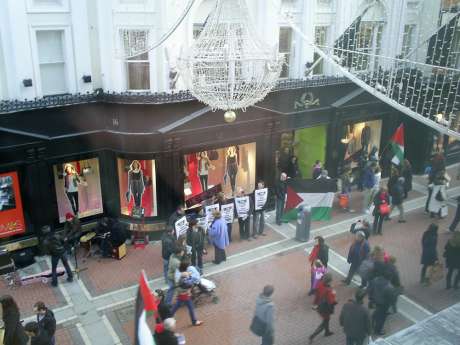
303 224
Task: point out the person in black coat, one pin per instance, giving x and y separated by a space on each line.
167 247
14 331
167 335
406 172
37 336
280 193
56 248
45 320
380 199
355 320
429 250
195 239
293 170
456 220
397 198
452 255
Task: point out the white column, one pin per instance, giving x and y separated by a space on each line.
16 49
81 44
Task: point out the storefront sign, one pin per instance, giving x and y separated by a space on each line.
228 211
242 206
11 213
306 101
209 210
260 197
181 226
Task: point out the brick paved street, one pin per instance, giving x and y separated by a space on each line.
227 322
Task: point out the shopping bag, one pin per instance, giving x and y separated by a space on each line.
384 209
444 211
435 272
343 200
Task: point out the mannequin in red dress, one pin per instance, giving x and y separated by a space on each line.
192 167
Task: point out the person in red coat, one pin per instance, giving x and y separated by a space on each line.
319 252
325 300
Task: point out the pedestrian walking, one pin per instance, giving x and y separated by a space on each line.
174 262
437 202
452 256
244 220
368 182
381 210
280 193
381 294
195 239
406 172
326 301
429 251
355 320
45 320
263 321
167 247
258 220
55 246
366 269
36 335
14 333
397 198
456 220
395 280
184 293
320 252
218 236
358 252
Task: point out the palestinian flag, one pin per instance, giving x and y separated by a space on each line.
397 145
145 306
318 194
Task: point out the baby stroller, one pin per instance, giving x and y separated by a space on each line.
204 290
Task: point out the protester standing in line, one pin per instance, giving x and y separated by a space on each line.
325 300
397 198
355 320
218 236
222 200
258 220
174 262
280 193
45 320
358 252
368 181
381 210
406 172
175 216
195 239
264 316
429 251
167 247
452 256
54 245
14 333
244 220
456 219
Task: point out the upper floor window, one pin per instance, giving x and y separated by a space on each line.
321 41
285 47
368 44
408 40
137 67
51 60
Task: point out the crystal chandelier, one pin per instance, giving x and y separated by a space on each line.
228 67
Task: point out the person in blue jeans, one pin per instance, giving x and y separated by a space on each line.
173 265
185 283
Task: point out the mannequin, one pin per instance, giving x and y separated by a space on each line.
136 183
71 183
231 167
204 164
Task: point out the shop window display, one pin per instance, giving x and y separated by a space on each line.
78 188
137 182
231 167
362 137
11 213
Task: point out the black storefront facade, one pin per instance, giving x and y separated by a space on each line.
111 131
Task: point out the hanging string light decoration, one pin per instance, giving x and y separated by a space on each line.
228 67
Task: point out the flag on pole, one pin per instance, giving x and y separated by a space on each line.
397 145
318 194
145 306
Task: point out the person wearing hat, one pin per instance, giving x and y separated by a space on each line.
218 236
453 225
72 229
358 252
355 319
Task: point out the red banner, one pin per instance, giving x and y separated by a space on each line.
11 213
